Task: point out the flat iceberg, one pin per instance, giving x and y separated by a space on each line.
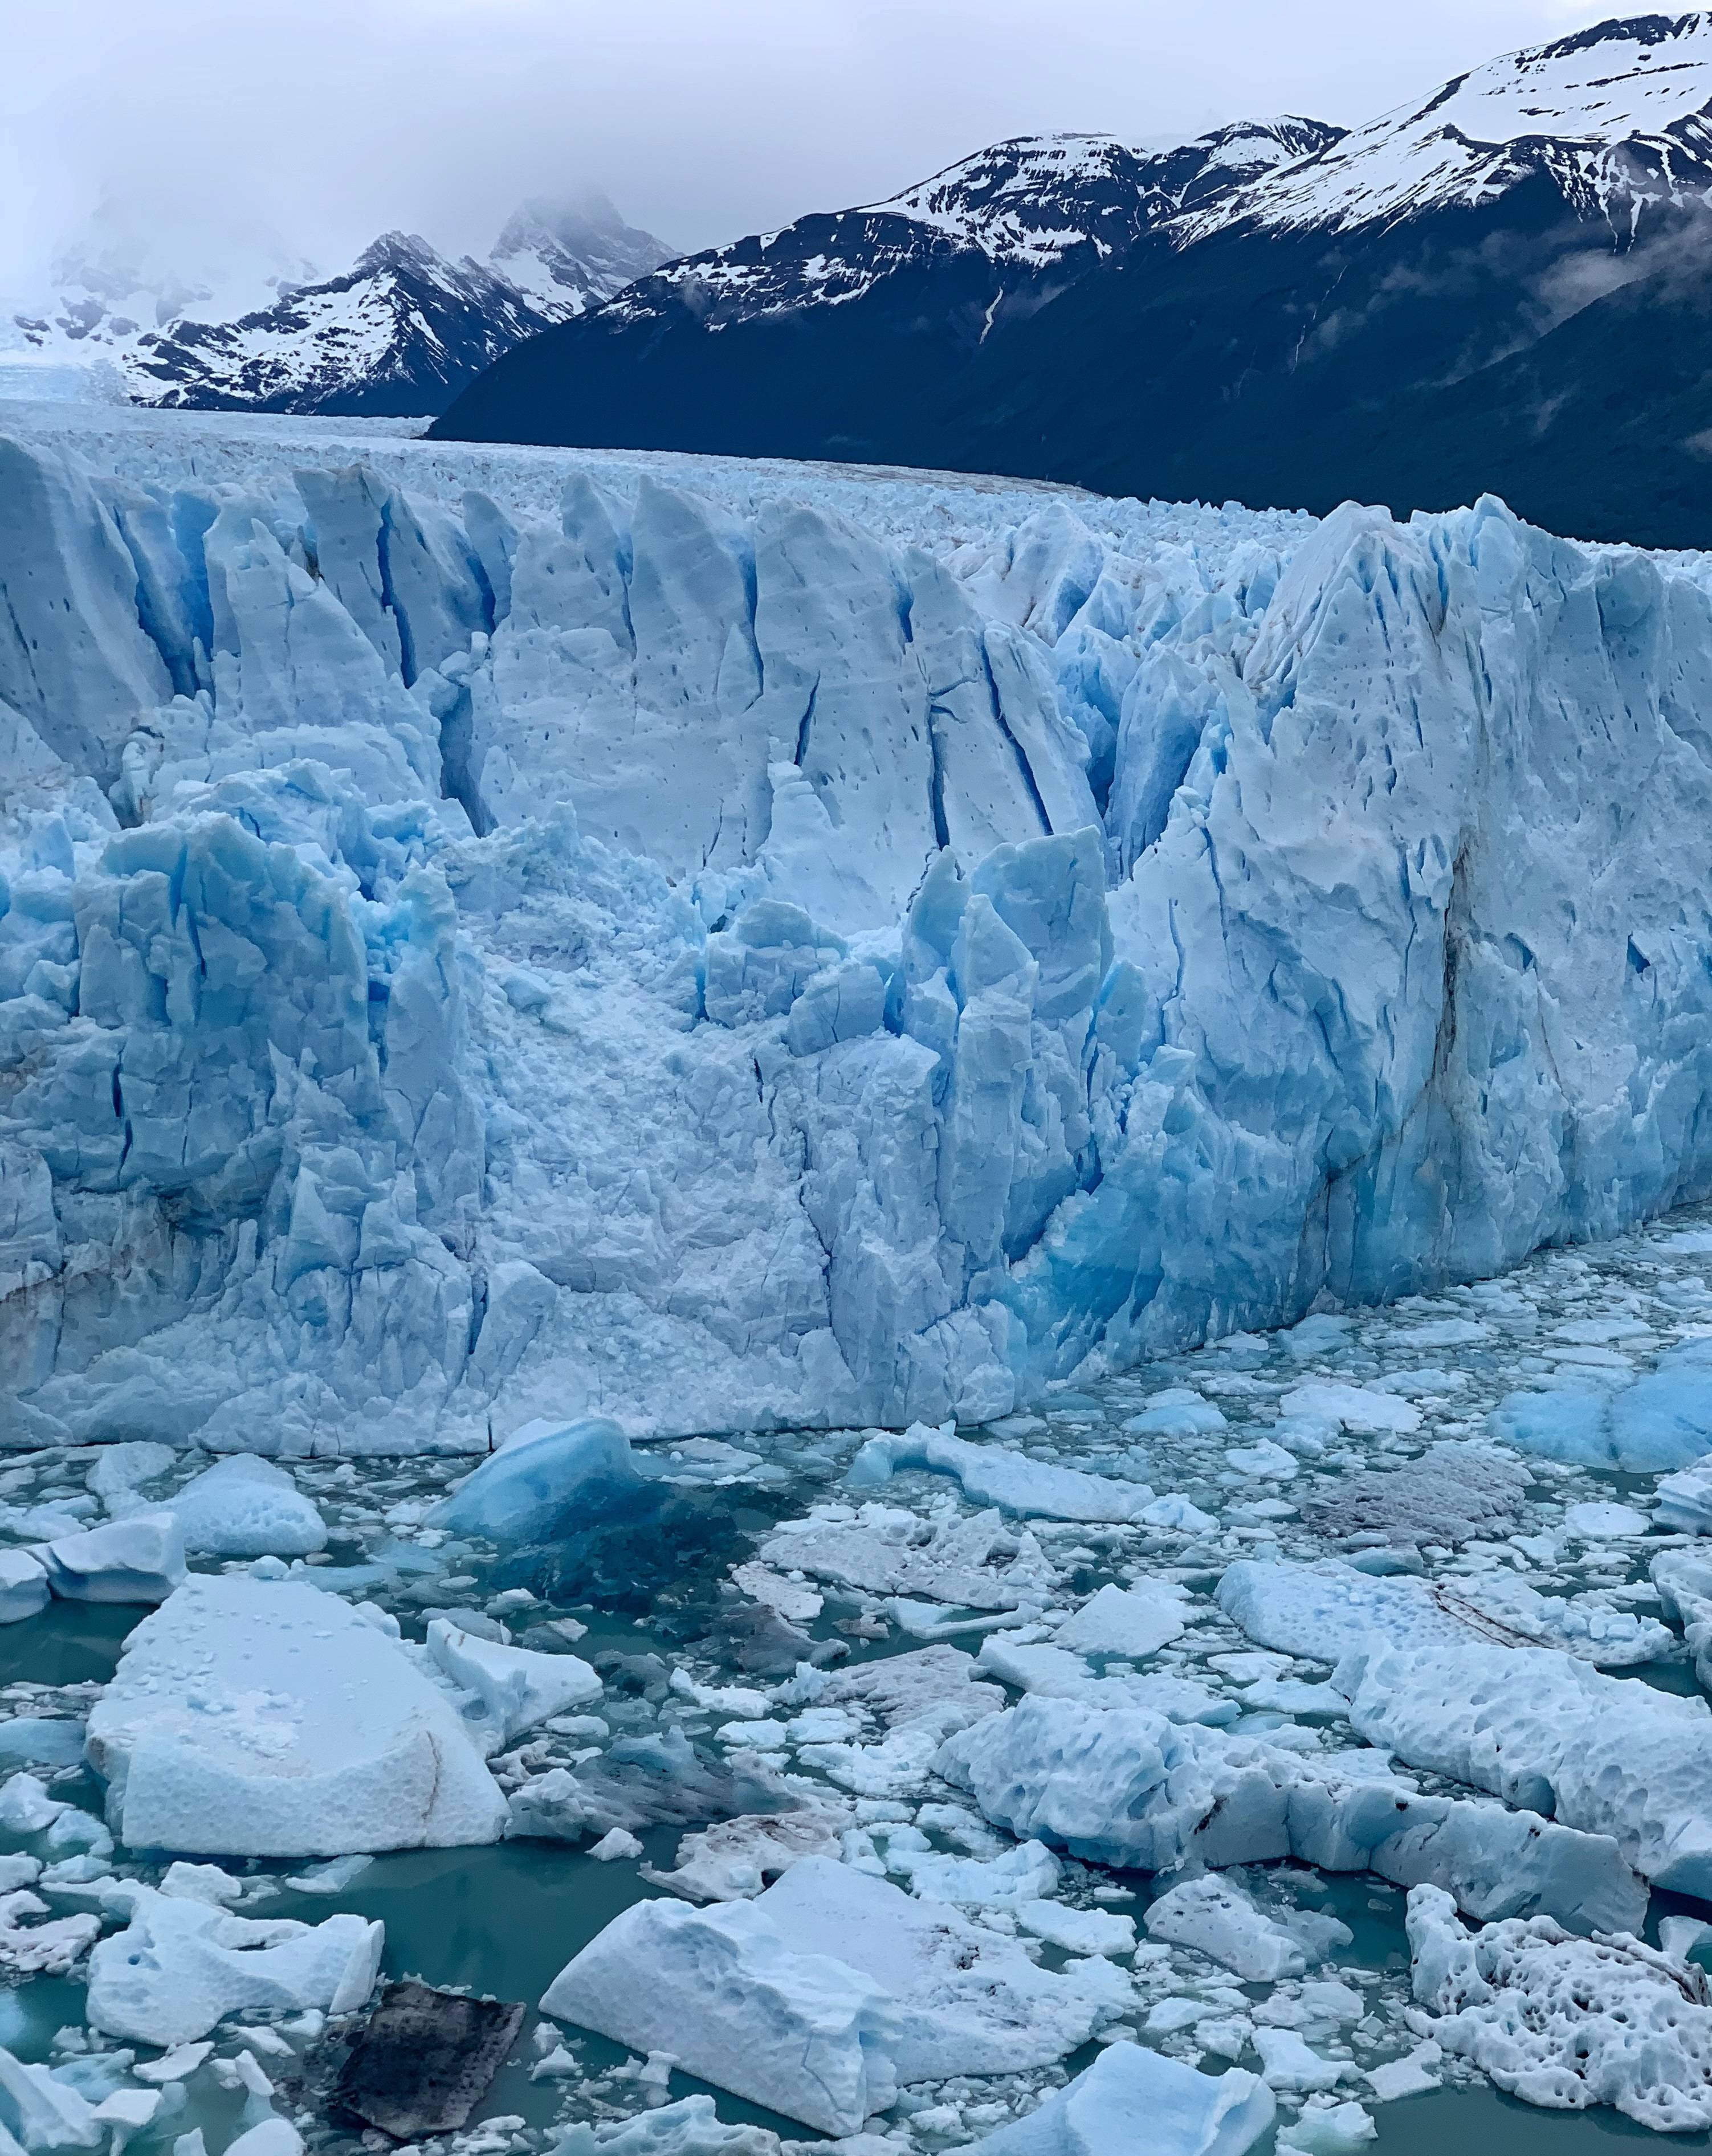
180 1966
1216 1917
826 1993
137 1559
258 1719
738 2005
1609 1756
1133 1621
995 1474
1123 1786
1325 1610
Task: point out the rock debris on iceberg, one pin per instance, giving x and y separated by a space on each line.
721 962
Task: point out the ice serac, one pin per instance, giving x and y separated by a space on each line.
253 1718
706 962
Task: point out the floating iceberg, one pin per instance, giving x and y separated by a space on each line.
1566 2022
1657 1423
1609 1756
738 2005
182 1965
1131 2098
545 1480
24 1586
1217 1918
254 1719
244 1506
1125 1787
138 1559
1132 1621
824 1994
993 1475
1325 1611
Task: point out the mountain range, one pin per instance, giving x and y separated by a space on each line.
399 334
1498 287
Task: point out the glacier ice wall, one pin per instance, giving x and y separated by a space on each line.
850 955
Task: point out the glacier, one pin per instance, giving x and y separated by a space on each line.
486 937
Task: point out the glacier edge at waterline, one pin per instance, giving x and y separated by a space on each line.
851 957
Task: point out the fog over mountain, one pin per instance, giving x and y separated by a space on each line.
329 123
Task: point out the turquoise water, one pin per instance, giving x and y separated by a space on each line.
504 1920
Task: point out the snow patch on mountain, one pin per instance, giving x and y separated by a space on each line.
1025 206
1616 113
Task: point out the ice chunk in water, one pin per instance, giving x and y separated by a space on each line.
995 1474
138 1559
546 1478
821 1995
1134 1621
246 1507
739 2005
1132 2098
514 1688
1216 1917
1565 2022
181 1965
24 1585
262 1718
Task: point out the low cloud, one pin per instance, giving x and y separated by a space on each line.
324 121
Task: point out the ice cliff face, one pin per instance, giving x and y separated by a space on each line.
722 961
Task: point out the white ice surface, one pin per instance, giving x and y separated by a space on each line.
1131 2098
1565 2022
829 1988
181 1965
245 1507
253 1718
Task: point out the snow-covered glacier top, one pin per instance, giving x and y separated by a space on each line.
496 933
1628 83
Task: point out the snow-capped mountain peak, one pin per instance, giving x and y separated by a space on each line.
1034 198
566 256
398 332
1611 109
1026 205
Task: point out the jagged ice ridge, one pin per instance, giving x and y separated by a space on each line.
846 957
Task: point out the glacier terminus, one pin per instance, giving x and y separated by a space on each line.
491 934
841 1309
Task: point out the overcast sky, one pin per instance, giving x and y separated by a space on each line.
329 121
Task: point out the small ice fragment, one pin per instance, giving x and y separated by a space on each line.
1409 2076
1266 1461
1133 2098
1289 2063
330 1878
